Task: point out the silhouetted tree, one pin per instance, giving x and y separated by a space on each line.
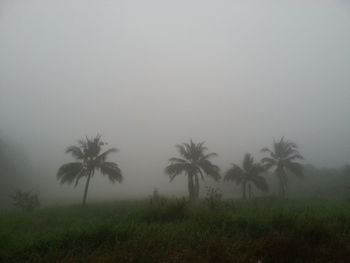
250 173
89 159
283 158
194 163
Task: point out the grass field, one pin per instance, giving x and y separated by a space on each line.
265 230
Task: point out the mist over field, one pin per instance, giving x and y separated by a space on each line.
148 75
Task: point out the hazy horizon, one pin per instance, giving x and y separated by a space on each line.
151 74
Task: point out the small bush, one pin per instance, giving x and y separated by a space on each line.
26 200
156 198
213 197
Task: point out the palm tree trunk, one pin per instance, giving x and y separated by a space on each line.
191 187
87 187
249 192
196 186
280 186
281 176
283 190
244 196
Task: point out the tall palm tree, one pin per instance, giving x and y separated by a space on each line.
250 173
193 163
89 159
283 158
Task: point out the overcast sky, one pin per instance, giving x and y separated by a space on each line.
150 74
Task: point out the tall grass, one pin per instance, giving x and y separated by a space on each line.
177 231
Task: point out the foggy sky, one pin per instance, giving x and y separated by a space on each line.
150 74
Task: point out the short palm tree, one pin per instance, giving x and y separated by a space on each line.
194 162
89 159
249 173
283 158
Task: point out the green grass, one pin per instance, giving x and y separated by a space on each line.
173 231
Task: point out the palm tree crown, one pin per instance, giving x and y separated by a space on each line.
249 173
194 163
89 159
283 158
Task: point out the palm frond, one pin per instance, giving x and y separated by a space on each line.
183 151
235 173
268 163
208 156
295 168
278 147
77 180
201 174
268 166
296 156
289 151
112 170
200 148
76 152
257 169
268 160
103 156
291 144
82 143
210 169
260 183
265 149
94 146
195 150
272 154
69 172
177 160
248 162
175 169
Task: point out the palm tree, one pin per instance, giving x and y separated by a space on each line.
89 159
283 158
247 175
193 163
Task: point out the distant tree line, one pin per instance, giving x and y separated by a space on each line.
194 162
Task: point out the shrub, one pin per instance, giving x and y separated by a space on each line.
26 200
213 197
156 198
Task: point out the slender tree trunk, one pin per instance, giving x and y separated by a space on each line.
249 191
283 189
190 187
244 196
280 185
281 177
196 186
87 187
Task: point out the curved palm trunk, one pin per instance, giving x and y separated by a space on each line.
87 187
191 189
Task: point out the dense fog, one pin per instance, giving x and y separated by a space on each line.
148 75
